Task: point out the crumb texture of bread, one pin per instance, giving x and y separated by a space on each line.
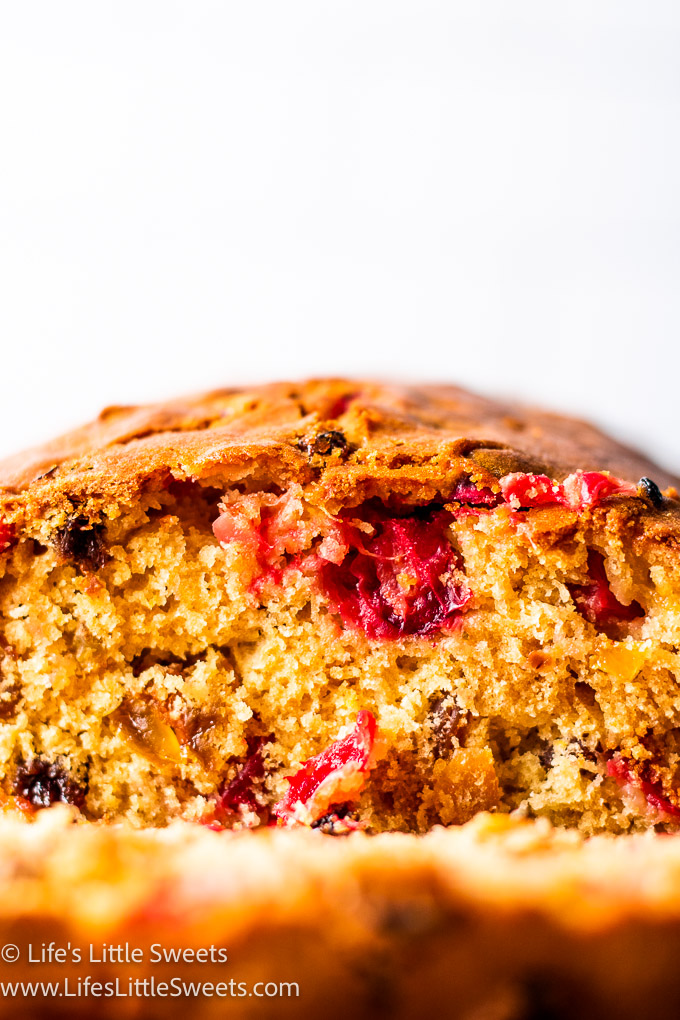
198 598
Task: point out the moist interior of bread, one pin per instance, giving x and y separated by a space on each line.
144 672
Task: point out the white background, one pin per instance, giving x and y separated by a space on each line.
199 193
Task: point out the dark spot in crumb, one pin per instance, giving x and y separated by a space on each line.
204 498
585 694
305 613
387 799
171 663
43 783
325 443
407 663
10 696
422 513
328 823
577 746
82 542
651 491
446 723
546 755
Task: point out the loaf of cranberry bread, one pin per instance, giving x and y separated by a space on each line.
340 605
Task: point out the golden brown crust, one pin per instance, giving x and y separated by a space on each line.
411 441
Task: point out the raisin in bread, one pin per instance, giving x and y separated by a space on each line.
340 605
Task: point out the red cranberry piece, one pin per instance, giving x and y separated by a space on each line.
468 493
596 601
6 536
581 489
239 791
335 776
524 491
341 405
588 488
621 770
258 531
401 580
